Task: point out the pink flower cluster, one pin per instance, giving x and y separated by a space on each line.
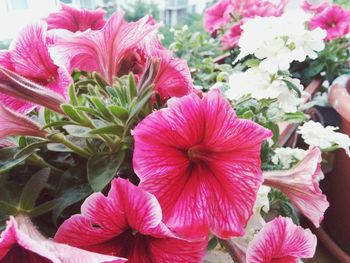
198 163
333 18
227 16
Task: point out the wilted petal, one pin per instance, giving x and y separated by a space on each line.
21 242
203 164
74 20
13 124
281 241
28 56
299 184
103 50
127 223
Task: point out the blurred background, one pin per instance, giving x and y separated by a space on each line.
14 14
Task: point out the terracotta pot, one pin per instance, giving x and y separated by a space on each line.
337 217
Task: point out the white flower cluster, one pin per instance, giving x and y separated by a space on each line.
278 41
287 156
325 138
260 84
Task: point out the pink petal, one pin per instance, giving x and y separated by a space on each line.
281 241
127 222
300 186
203 164
13 124
174 77
101 50
75 20
217 16
21 242
28 56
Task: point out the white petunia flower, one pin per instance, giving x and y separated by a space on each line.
260 84
278 41
325 138
287 156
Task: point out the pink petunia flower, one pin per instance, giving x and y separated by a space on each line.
231 38
218 15
334 19
280 241
128 223
174 76
308 7
263 8
28 56
300 186
202 163
111 51
74 20
13 124
22 242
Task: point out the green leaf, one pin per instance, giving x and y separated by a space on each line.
57 124
72 113
78 131
72 95
44 208
102 168
99 80
33 188
252 62
120 112
7 208
101 107
213 242
139 105
30 148
7 160
71 190
113 130
132 86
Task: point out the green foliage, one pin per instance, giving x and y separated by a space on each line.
330 63
344 3
139 9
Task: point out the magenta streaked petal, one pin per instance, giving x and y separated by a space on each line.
127 223
300 186
218 15
28 56
74 20
174 77
281 241
203 164
21 242
101 50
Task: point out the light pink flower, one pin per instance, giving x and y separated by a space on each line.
28 56
280 241
128 223
74 20
263 8
230 39
306 6
218 15
334 19
13 124
202 163
22 242
111 51
300 186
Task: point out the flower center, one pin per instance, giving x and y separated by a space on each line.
199 153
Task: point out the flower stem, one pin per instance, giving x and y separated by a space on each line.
233 250
59 138
39 161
